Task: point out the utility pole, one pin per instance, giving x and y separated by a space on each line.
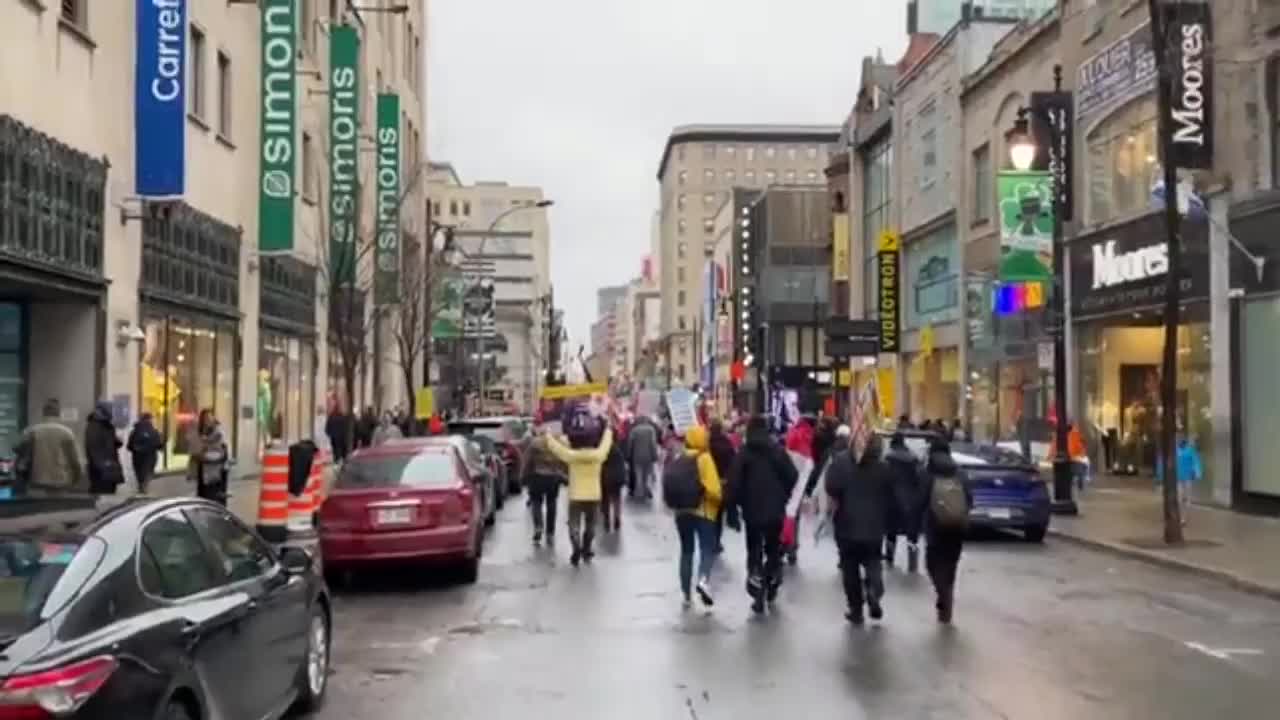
1172 220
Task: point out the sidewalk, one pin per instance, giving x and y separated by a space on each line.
243 490
1228 546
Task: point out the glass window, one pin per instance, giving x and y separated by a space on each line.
812 152
240 553
683 176
751 154
680 153
791 177
466 208
680 298
730 151
708 176
681 321
708 199
197 52
177 563
708 152
41 574
224 95
308 408
178 379
750 177
770 176
428 470
982 183
791 346
770 152
709 225
224 399
811 176
284 394
730 177
792 153
681 201
680 226
680 274
295 411
682 249
1123 163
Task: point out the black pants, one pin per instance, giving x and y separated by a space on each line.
860 569
764 553
941 559
582 524
542 506
611 507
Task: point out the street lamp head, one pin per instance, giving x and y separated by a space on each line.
544 203
1022 147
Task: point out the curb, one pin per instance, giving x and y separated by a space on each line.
1231 579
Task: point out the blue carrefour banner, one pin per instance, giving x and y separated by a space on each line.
160 98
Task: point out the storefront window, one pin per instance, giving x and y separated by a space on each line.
1123 163
284 400
183 363
933 385
1260 346
1119 362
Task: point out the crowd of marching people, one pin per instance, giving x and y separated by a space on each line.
748 477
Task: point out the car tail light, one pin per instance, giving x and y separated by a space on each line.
54 693
333 516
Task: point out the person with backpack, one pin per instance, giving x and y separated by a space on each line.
946 521
861 493
613 476
588 448
723 453
761 481
906 509
643 451
691 488
543 474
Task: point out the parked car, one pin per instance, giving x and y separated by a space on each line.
510 436
154 608
1008 490
404 501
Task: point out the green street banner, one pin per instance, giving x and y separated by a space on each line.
279 108
1026 226
344 152
386 256
447 289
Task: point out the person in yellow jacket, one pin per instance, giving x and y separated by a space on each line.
584 456
698 525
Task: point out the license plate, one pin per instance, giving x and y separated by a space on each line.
394 516
999 513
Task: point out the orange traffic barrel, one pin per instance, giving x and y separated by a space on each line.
273 495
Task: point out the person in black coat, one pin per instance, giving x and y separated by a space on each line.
861 494
761 480
102 449
942 553
906 509
145 443
613 477
722 452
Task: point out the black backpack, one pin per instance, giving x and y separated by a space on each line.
681 485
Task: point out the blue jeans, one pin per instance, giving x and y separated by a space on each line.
695 529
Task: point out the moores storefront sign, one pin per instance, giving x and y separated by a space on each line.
1125 268
160 98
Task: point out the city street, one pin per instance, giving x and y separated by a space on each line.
1045 632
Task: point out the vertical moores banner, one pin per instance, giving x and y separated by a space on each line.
1189 26
344 154
386 256
160 98
279 109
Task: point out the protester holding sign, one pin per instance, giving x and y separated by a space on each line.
589 443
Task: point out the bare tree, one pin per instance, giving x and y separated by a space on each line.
414 316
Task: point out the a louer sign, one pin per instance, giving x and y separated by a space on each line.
1190 34
279 107
1110 268
386 256
344 154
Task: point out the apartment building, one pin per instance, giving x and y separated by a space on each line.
503 235
699 168
157 273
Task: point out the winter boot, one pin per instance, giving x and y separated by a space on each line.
890 551
913 558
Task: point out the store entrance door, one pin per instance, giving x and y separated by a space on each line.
13 363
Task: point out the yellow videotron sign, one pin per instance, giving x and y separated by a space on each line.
889 270
840 247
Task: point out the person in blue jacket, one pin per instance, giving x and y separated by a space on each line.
1190 470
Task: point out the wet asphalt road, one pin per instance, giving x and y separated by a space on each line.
1042 632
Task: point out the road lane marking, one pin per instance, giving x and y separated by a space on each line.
1223 653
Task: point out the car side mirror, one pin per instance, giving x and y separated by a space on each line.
296 561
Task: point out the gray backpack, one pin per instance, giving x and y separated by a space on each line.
948 504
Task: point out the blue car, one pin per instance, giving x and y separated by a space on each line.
1008 491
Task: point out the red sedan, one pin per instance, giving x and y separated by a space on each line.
410 500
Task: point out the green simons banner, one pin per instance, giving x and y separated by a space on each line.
386 279
1026 226
279 108
344 153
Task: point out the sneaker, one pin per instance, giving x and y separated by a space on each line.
574 558
687 603
587 555
757 606
875 611
537 539
854 617
704 593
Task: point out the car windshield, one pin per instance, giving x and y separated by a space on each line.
486 443
38 575
990 454
426 470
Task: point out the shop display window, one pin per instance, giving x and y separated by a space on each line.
284 387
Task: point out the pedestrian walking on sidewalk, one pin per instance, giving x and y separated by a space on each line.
145 444
102 450
543 474
208 464
691 488
613 477
946 521
723 453
47 456
759 484
907 501
861 493
589 443
642 453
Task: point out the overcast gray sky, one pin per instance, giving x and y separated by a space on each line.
578 96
